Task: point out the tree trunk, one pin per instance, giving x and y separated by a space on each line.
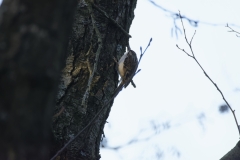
233 154
33 42
90 77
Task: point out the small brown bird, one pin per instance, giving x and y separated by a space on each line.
127 66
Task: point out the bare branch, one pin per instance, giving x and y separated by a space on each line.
184 51
192 37
175 16
193 56
232 30
144 50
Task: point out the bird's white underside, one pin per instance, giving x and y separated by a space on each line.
121 64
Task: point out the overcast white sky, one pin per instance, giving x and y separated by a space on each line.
172 92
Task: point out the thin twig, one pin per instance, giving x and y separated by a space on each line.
193 56
193 22
192 37
112 20
144 50
232 30
116 92
132 141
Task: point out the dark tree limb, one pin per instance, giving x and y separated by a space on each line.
233 154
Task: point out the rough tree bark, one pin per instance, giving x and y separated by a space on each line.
93 34
233 154
33 42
